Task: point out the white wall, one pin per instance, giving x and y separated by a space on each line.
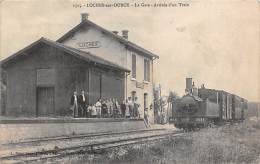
109 49
147 86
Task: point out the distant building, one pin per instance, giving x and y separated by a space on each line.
253 109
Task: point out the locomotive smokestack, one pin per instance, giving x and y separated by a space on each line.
125 34
188 85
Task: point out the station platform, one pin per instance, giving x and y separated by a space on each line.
20 129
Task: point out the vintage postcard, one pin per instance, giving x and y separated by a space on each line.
130 81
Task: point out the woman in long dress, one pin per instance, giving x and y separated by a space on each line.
118 109
108 108
127 109
89 110
94 111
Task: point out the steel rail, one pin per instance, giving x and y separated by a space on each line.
81 151
80 136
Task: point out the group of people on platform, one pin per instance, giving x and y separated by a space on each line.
104 108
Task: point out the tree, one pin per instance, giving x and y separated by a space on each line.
173 96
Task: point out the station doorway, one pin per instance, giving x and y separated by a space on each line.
45 102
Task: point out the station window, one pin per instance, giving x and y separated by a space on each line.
146 70
134 66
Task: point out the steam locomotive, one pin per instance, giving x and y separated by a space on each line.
202 107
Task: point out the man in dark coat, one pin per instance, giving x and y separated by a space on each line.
82 104
123 108
74 104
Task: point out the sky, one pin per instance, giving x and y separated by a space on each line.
216 42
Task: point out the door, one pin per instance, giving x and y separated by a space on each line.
45 101
96 87
145 102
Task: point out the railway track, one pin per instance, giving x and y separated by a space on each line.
56 152
78 136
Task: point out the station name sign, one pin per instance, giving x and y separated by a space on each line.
139 85
86 45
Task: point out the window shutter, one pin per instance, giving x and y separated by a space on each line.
145 71
133 66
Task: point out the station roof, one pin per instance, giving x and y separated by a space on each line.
86 56
119 38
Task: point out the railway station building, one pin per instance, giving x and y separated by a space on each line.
41 78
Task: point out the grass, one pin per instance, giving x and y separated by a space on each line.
229 144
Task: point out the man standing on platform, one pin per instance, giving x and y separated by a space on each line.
74 103
109 107
82 104
123 108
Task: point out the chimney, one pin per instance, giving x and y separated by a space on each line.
115 32
188 85
125 34
84 16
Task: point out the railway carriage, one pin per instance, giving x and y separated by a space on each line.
238 108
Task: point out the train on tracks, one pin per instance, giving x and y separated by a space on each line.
203 107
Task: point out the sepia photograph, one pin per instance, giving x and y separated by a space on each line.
130 81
